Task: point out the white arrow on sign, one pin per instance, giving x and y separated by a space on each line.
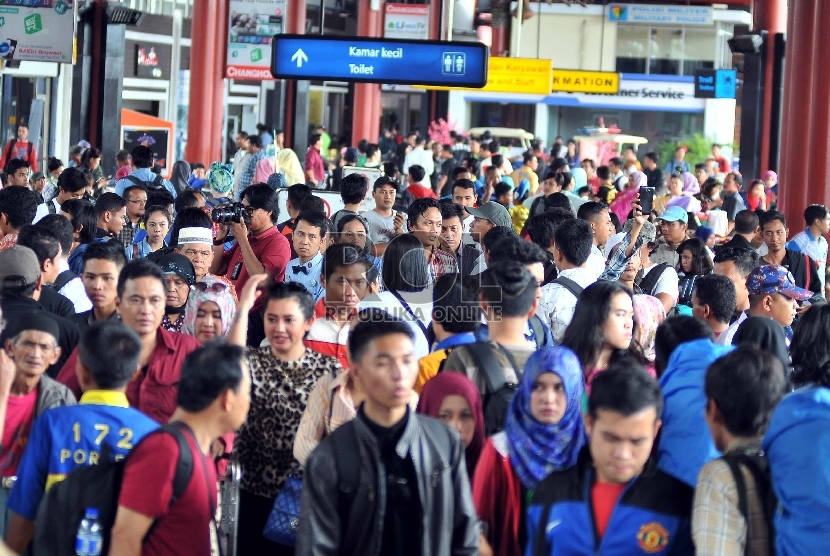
299 57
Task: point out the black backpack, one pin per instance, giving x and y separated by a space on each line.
63 279
156 185
649 282
498 392
96 486
758 467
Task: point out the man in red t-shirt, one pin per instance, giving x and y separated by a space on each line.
20 148
416 175
213 399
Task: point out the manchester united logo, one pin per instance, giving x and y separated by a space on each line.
652 537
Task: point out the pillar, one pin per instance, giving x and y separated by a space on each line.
366 111
295 25
204 70
805 140
771 16
217 83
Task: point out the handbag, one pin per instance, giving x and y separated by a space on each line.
284 520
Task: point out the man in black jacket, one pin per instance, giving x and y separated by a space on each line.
423 504
803 268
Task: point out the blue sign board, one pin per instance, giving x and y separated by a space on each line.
716 83
370 60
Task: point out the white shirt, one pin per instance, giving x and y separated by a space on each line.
74 290
725 339
419 302
596 262
558 304
43 210
668 282
420 157
381 228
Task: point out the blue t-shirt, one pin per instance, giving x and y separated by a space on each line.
65 438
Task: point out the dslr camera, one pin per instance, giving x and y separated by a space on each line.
231 212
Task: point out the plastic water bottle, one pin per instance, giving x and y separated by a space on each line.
89 541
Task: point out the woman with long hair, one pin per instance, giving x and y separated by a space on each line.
810 348
602 328
695 261
408 293
544 433
352 228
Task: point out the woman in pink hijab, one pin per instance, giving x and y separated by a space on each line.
622 202
683 187
264 169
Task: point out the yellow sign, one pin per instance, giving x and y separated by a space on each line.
514 75
578 81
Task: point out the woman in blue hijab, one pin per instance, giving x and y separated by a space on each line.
544 433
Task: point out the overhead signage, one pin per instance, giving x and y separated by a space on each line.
251 27
406 21
669 15
515 75
369 60
578 81
716 83
42 33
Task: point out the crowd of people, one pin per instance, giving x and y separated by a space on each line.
497 361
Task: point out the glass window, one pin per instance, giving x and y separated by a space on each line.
666 51
700 50
632 49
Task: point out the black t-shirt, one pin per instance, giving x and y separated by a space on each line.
655 178
403 517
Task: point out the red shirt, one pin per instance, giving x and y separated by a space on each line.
20 412
419 192
184 527
271 249
314 162
19 150
604 497
154 389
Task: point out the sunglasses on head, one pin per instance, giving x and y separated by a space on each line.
216 287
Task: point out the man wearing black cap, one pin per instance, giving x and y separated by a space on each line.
20 288
180 276
32 343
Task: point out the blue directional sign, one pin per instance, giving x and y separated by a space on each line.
368 60
716 83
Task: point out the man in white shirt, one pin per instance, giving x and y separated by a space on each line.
418 155
599 219
572 247
663 283
736 263
240 161
383 222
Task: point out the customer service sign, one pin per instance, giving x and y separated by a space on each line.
44 32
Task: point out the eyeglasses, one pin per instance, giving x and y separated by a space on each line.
215 287
138 201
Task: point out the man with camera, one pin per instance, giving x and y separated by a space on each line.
259 248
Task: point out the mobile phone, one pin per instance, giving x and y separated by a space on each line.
647 199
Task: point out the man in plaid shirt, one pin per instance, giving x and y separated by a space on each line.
425 224
257 153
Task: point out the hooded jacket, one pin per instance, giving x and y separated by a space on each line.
686 444
796 448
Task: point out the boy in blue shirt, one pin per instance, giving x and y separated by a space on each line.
65 438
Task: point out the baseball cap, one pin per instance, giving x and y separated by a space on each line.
174 263
648 232
493 212
675 214
18 266
775 279
195 235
